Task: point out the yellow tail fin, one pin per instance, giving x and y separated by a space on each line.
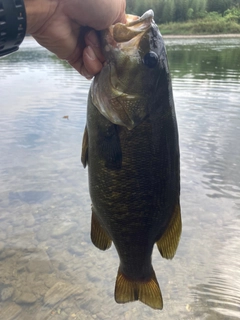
147 292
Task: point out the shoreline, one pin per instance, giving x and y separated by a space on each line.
178 36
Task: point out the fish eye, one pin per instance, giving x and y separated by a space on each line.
150 59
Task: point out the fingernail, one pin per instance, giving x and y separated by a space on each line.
92 37
90 53
86 74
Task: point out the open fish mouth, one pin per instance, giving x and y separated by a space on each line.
133 29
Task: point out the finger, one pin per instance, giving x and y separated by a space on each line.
79 66
86 64
92 40
85 73
121 18
91 62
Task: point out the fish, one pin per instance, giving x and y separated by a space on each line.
131 148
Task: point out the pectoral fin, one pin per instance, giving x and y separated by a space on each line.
99 236
168 243
147 292
84 156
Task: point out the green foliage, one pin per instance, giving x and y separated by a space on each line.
199 8
219 5
168 11
232 14
183 10
201 26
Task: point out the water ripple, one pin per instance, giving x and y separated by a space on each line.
44 201
221 294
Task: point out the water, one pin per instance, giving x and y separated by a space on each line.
48 267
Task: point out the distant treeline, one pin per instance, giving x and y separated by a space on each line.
181 10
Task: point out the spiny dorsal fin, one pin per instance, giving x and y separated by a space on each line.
84 156
99 236
147 292
168 243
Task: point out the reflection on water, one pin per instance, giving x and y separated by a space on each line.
48 267
220 293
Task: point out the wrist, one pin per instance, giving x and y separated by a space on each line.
38 12
12 25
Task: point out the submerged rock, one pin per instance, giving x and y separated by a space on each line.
3 235
64 229
29 220
42 234
76 249
6 293
10 311
26 298
1 246
59 292
39 262
39 266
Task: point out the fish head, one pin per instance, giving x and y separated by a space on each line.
128 84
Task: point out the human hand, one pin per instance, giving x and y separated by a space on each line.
56 25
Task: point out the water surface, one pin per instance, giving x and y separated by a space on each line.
48 267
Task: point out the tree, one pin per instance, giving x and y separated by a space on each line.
198 8
219 5
168 11
181 10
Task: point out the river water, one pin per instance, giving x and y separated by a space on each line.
49 268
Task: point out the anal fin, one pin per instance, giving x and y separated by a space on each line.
99 236
168 243
148 292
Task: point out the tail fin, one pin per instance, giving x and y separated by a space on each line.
147 292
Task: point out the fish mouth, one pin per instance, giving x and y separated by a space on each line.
135 27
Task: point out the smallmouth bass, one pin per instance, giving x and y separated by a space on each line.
130 146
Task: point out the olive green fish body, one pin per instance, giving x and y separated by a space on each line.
134 183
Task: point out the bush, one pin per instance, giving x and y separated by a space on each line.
201 26
232 14
213 16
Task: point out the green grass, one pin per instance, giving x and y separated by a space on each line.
211 24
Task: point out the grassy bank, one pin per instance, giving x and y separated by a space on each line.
212 23
199 27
